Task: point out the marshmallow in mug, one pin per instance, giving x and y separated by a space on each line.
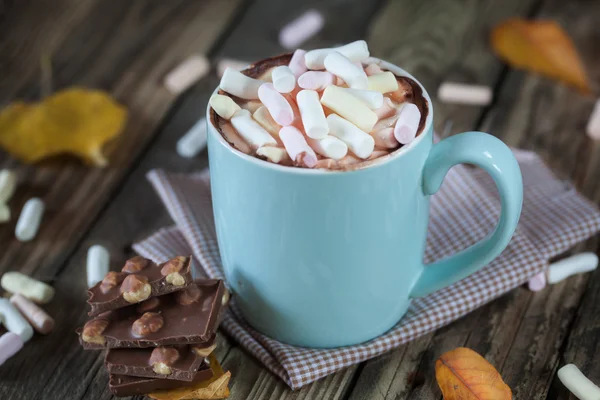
339 91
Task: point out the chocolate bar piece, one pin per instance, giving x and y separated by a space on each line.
139 279
188 316
124 385
166 362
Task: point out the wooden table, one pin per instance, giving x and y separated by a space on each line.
126 47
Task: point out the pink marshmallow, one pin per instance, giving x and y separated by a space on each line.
538 282
301 29
406 127
296 146
373 69
386 110
316 80
297 64
10 344
385 138
279 108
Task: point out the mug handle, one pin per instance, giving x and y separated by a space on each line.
491 154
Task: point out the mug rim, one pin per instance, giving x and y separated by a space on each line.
213 131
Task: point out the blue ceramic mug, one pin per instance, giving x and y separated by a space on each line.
326 259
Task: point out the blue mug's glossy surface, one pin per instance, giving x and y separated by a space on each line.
328 259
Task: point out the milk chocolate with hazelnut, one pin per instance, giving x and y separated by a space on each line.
165 362
184 317
124 385
139 280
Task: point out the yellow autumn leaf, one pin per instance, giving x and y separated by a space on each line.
462 374
213 388
75 120
540 46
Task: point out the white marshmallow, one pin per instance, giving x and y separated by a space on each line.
593 125
385 138
16 282
373 69
384 82
234 139
576 264
225 63
14 321
329 146
240 85
4 213
194 140
387 109
297 148
187 73
301 29
359 142
283 79
371 98
263 117
342 67
349 107
10 344
407 124
459 93
316 80
29 220
297 64
224 106
98 262
577 383
313 116
8 184
251 106
278 106
254 134
355 51
274 154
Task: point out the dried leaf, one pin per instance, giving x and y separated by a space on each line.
540 46
213 388
463 374
75 120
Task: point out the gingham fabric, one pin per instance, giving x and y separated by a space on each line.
555 217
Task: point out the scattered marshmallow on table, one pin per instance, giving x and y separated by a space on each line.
371 98
250 130
593 125
10 344
225 63
8 184
312 114
274 154
560 270
263 117
297 147
407 124
359 142
316 80
14 321
240 85
284 79
460 93
278 106
98 263
194 140
577 383
342 67
187 73
384 82
38 318
329 146
355 51
349 107
16 282
4 212
297 64
301 29
224 106
29 220
538 282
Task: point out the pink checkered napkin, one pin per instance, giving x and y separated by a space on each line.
555 217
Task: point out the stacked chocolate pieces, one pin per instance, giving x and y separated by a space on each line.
157 324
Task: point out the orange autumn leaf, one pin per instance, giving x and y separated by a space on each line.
542 47
216 387
463 374
75 120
